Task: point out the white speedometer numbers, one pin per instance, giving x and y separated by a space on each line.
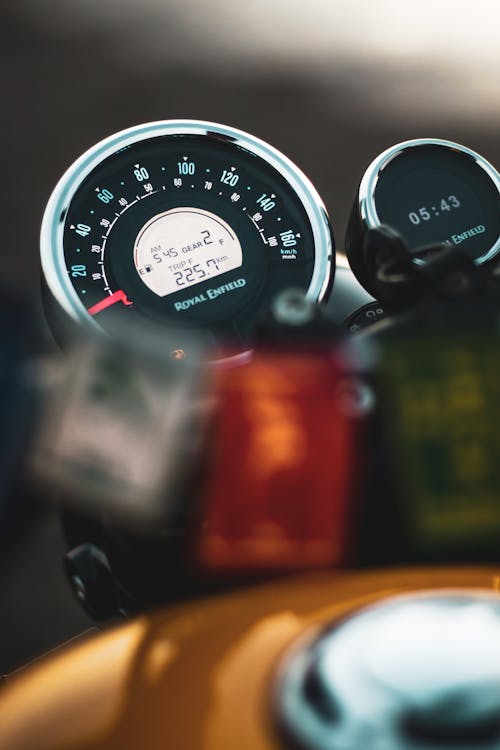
182 247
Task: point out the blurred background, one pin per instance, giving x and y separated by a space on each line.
328 82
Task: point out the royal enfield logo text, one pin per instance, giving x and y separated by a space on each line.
458 238
210 294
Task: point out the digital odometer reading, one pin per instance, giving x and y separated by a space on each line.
183 247
434 194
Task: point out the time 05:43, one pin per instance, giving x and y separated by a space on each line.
443 204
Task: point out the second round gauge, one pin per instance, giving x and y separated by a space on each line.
187 223
430 191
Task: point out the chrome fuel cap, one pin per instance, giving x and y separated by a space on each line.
413 672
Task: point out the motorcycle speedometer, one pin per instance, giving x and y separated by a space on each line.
430 191
186 223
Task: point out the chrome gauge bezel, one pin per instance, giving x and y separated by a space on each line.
51 237
368 185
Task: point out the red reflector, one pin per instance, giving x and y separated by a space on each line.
278 486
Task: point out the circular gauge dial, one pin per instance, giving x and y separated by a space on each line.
430 191
186 223
433 194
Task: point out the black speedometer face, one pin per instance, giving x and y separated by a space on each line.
184 223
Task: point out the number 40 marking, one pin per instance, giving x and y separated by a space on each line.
82 229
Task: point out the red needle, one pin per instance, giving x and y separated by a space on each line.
118 296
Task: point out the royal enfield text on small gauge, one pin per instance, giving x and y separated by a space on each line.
430 191
184 223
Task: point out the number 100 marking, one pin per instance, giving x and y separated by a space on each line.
186 167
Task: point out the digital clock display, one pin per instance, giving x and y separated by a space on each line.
432 194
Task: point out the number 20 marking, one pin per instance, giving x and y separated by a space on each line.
78 270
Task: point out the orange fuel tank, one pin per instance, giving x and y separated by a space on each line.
197 676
